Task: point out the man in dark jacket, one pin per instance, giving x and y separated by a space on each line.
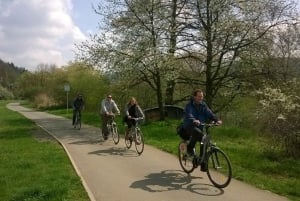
197 112
77 105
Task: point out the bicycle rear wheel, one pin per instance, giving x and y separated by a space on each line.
139 141
115 134
185 162
219 168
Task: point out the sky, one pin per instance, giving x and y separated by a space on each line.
34 32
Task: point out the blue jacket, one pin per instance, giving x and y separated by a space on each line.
200 112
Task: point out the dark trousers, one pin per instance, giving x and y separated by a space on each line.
104 118
74 115
129 122
196 136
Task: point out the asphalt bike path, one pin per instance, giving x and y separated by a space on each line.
111 172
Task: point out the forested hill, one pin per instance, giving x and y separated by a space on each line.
9 73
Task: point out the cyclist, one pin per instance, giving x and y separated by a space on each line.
132 110
197 112
78 105
108 109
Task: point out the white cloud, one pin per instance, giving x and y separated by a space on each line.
37 31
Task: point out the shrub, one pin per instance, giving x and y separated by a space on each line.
280 112
5 94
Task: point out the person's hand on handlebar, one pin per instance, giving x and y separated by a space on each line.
110 114
136 118
196 122
219 122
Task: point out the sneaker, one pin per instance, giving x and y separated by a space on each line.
105 137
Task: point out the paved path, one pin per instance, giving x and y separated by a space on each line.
112 173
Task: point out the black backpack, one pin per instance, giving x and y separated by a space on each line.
182 132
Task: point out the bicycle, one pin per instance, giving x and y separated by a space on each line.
77 122
112 129
213 161
135 134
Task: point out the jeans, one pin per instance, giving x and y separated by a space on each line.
196 135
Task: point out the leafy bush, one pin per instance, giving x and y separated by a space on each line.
280 112
5 94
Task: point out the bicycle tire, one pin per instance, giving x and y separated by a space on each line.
185 162
77 123
139 141
219 169
115 134
128 141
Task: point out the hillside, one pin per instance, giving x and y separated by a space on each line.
9 73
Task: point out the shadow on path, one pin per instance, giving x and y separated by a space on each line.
169 180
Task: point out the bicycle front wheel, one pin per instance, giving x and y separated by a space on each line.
77 123
115 134
139 142
219 168
128 139
185 161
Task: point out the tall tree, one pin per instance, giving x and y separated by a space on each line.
223 32
150 41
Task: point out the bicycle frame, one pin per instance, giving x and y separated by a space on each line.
206 143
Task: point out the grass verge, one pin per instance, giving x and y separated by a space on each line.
33 166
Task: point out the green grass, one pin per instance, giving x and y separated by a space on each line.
252 157
31 169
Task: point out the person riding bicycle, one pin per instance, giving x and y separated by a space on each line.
108 109
197 112
132 110
78 105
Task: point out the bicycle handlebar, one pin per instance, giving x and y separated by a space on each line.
209 124
112 114
138 118
213 124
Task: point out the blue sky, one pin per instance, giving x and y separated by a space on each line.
84 15
34 32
